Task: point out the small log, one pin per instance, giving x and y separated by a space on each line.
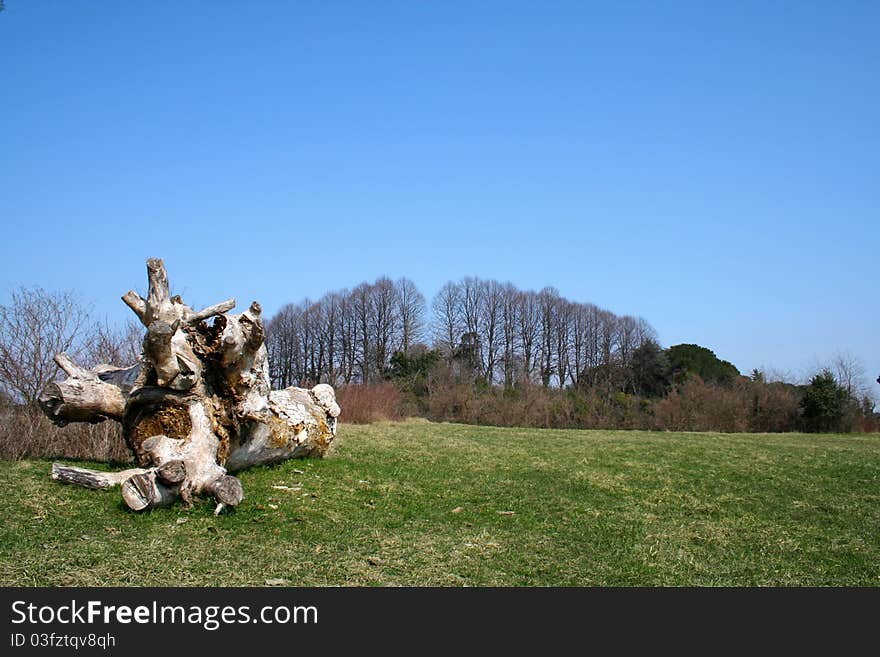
227 490
143 491
171 472
69 474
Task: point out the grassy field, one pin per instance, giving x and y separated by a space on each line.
427 504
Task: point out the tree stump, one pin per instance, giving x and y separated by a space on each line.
196 407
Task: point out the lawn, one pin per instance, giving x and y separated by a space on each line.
422 504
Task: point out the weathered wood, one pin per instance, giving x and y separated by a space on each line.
293 425
66 363
210 311
159 306
171 472
157 349
137 303
227 490
144 491
69 474
197 407
123 378
85 396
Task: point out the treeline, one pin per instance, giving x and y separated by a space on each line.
482 330
490 353
346 337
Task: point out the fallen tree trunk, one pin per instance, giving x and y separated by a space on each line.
196 407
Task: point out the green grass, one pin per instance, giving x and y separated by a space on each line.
589 508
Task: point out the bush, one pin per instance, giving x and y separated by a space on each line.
27 433
827 405
362 404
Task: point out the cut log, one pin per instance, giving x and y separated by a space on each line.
171 472
144 491
196 407
227 490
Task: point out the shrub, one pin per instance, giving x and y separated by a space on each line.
362 404
27 433
828 406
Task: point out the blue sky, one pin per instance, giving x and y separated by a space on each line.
712 167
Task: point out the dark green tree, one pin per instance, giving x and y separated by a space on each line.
687 359
649 370
415 363
826 405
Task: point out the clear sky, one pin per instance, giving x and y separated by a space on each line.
712 167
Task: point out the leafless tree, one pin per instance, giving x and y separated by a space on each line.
528 322
448 320
563 320
471 292
120 346
34 327
348 336
282 342
509 306
410 311
850 374
490 301
384 324
481 327
548 302
361 300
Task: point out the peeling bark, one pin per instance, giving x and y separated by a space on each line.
196 407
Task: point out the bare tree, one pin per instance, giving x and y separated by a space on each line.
850 374
579 342
548 302
114 345
282 343
564 318
490 301
471 293
383 323
645 332
348 336
360 298
528 322
331 336
34 327
509 306
448 320
607 333
410 313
